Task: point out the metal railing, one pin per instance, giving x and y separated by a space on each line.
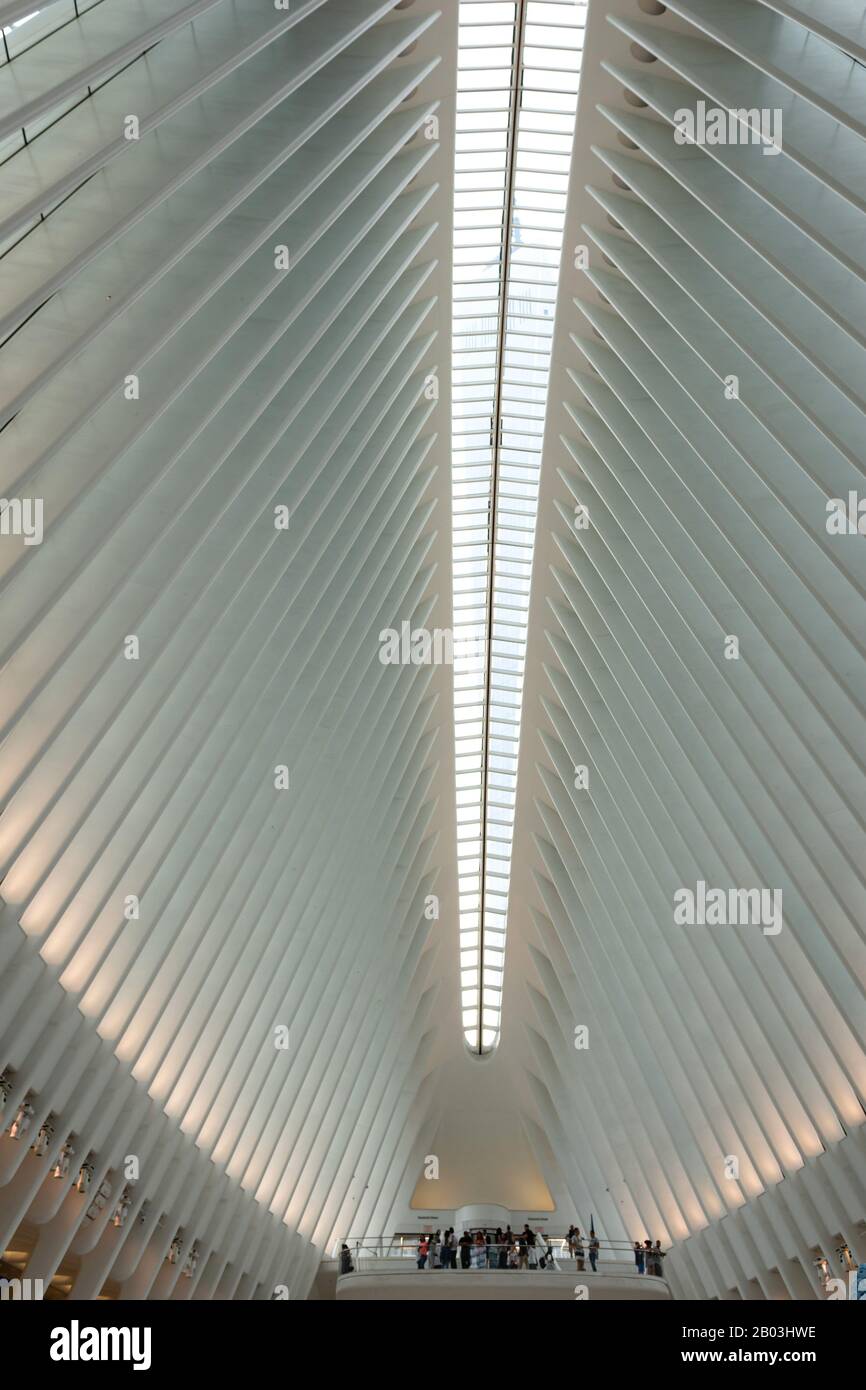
611 1257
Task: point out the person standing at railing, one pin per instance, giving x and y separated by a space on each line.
346 1266
657 1257
423 1251
434 1250
446 1249
502 1244
593 1253
545 1248
529 1237
465 1249
479 1251
578 1247
638 1256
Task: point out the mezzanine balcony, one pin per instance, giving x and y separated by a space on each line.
386 1267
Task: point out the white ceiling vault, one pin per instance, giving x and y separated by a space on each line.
222 812
228 843
706 401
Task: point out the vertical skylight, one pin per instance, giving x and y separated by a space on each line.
519 64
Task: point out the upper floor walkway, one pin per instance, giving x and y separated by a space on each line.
387 1267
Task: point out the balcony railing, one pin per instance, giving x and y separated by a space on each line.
370 1253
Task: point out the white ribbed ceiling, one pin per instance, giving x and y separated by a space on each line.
222 813
230 934
706 402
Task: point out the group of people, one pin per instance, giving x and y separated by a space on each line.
485 1250
648 1257
577 1250
504 1250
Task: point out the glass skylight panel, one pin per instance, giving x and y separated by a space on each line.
518 71
27 29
